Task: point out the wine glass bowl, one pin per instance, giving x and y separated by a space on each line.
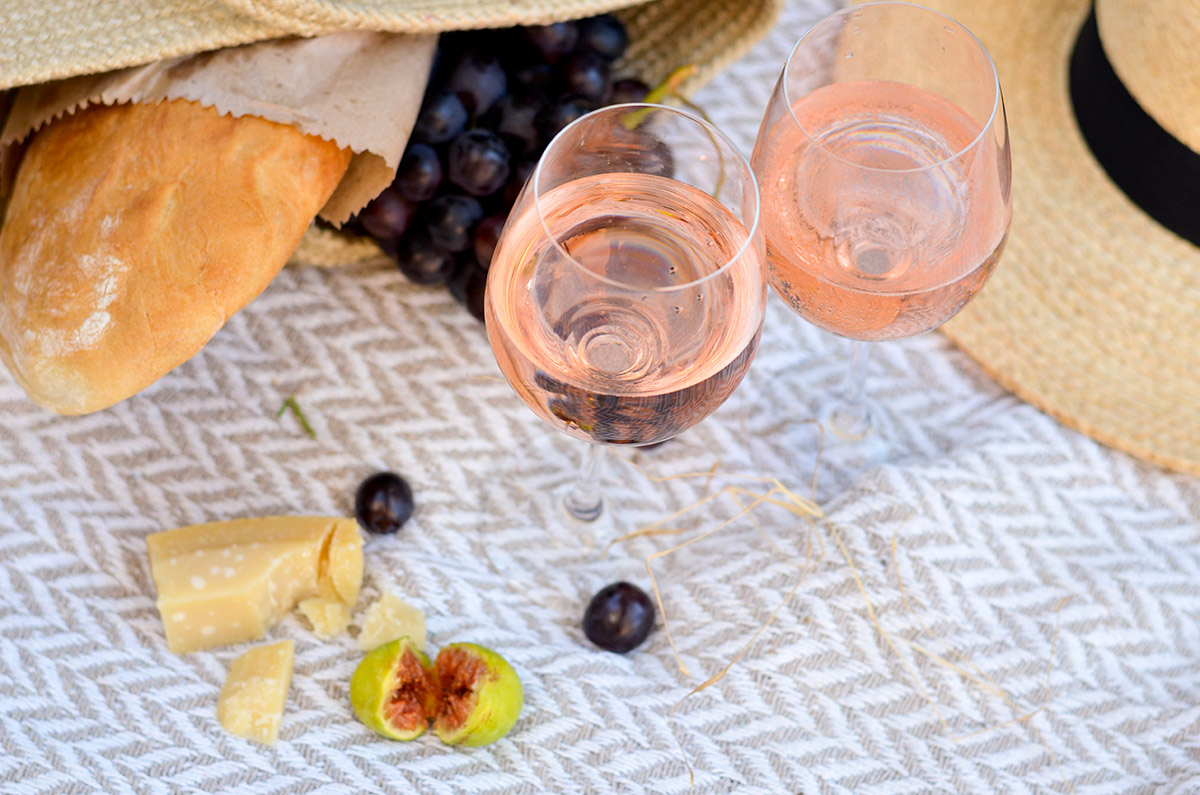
885 174
625 298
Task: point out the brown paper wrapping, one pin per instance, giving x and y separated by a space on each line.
360 89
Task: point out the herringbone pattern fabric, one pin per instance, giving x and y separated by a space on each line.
1018 569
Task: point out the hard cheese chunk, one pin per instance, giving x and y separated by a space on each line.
256 687
227 582
389 618
327 616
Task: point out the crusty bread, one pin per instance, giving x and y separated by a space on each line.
135 231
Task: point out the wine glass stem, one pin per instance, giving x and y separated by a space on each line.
585 502
851 417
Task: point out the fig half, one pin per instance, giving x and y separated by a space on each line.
394 691
480 695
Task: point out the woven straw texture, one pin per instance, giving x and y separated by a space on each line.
1094 312
990 516
1146 43
59 38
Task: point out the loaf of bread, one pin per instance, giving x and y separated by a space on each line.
135 231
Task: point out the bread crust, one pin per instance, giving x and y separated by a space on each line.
135 231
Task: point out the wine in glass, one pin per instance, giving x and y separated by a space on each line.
625 298
884 167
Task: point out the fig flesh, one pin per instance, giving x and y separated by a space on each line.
394 691
480 695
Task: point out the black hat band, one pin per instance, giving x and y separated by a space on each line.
1154 169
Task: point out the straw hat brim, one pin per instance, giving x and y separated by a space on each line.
1093 314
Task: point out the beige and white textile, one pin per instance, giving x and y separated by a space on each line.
1059 581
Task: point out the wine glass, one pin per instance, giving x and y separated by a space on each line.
626 294
884 166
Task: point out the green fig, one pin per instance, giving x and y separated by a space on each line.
480 695
394 691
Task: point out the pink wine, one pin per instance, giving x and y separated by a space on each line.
875 227
624 325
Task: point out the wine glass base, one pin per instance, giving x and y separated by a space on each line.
592 528
848 457
846 427
582 510
810 449
851 441
542 480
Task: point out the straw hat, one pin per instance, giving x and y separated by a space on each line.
1093 314
49 39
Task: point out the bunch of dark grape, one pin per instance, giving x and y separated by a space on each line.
494 100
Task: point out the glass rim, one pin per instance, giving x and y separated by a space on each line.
715 133
983 130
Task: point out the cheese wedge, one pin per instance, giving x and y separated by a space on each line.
389 618
256 688
227 582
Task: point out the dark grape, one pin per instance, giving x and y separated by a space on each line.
587 74
479 80
652 154
387 216
468 286
660 160
494 101
478 162
419 174
549 384
442 117
559 114
457 282
555 40
520 175
513 117
383 503
603 35
486 236
451 220
534 78
628 90
619 617
476 292
422 261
